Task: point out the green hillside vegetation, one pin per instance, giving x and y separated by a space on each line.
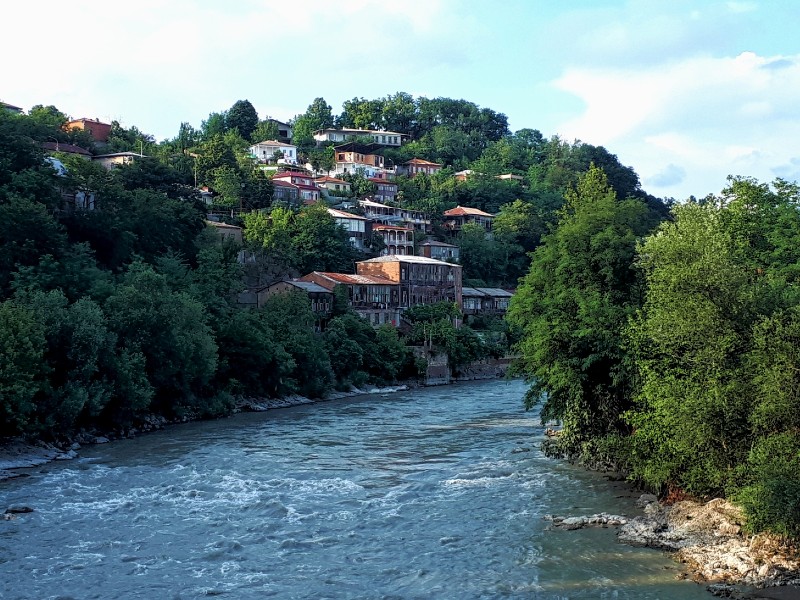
127 310
673 356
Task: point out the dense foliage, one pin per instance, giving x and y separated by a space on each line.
675 355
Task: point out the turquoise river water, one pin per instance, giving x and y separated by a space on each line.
431 493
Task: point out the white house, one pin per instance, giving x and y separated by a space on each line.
384 138
266 150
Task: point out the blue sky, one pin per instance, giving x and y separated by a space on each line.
684 92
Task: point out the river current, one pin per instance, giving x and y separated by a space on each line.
431 493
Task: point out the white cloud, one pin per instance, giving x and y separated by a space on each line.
712 116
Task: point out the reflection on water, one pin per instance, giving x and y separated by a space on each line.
434 493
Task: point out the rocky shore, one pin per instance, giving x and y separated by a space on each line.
709 539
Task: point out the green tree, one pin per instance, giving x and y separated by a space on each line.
242 116
572 307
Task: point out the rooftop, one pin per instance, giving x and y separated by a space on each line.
422 162
308 286
340 214
407 258
349 279
274 143
68 148
460 211
327 179
437 243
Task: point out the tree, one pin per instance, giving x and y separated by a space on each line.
22 367
243 117
714 348
572 307
265 131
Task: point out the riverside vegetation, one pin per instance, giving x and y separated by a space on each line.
663 335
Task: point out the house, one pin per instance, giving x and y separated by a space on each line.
10 107
284 129
415 166
395 215
110 161
66 149
385 190
359 229
360 158
333 186
284 192
307 190
226 231
456 218
72 199
266 152
485 301
320 298
98 130
510 177
373 298
398 240
421 280
383 138
439 251
463 175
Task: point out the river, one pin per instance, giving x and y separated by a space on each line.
431 493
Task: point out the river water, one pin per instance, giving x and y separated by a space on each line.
432 493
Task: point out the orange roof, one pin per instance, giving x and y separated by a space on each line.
420 161
349 279
326 179
460 211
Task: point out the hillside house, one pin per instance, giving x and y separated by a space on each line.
11 108
421 280
383 138
307 190
226 232
97 129
456 218
398 240
372 297
385 190
118 159
485 301
66 149
395 215
439 251
416 166
273 151
285 193
333 186
359 229
360 158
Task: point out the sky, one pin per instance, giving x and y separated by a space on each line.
685 92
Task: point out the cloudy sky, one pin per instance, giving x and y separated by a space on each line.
685 92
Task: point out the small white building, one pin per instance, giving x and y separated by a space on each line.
266 151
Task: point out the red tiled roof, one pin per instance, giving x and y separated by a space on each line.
381 181
349 279
69 148
282 183
326 179
460 211
422 162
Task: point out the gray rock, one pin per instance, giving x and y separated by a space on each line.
17 509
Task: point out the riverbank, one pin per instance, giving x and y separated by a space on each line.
709 539
17 455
